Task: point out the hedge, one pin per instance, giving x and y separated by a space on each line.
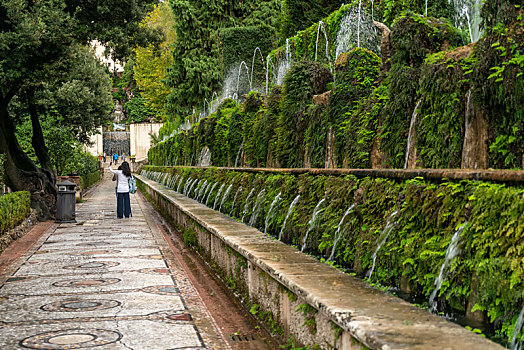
14 209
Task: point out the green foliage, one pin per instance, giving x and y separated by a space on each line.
299 14
488 273
137 110
304 80
309 313
151 62
238 44
196 71
441 113
356 76
414 37
498 82
14 208
190 239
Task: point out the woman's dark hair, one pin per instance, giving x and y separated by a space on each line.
125 169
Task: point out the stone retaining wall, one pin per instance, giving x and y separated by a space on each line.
297 296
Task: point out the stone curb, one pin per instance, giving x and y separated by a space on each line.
506 176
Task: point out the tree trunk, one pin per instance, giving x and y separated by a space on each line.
21 173
37 140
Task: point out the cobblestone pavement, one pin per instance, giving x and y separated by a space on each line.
103 283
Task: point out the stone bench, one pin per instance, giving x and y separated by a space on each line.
296 295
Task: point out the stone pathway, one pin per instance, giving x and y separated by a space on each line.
104 283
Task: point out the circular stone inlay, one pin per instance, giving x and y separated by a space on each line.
80 305
162 290
96 243
100 252
155 271
86 282
93 265
71 339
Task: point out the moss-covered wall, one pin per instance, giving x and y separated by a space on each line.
429 214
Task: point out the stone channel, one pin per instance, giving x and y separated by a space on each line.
293 291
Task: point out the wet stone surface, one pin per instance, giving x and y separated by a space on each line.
103 283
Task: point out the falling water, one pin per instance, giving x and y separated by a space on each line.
517 344
194 185
411 132
239 72
246 205
312 222
390 225
452 252
217 197
238 154
209 193
321 26
257 207
289 211
253 66
188 183
205 157
201 189
214 97
467 15
180 184
356 30
271 212
359 20
285 64
339 231
235 200
268 61
225 196
205 193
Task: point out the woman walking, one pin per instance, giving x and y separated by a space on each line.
123 206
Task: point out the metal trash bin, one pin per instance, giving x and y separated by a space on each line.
65 202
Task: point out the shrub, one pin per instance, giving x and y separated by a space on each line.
14 208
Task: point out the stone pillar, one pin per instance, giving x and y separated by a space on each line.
475 147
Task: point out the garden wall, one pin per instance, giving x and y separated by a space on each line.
484 287
276 281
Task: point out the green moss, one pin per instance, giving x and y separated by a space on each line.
190 239
428 214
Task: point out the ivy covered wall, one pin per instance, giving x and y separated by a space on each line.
484 283
462 93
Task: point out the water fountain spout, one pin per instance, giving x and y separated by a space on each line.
253 66
411 132
451 253
289 211
339 231
390 225
271 212
313 222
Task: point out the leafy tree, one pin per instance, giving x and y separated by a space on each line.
37 40
151 61
138 111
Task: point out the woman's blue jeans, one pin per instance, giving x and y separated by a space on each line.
123 205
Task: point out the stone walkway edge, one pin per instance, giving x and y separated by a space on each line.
374 318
